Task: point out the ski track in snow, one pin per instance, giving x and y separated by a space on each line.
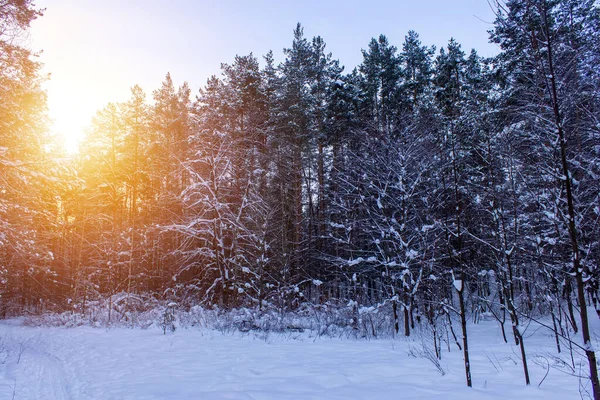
120 364
51 378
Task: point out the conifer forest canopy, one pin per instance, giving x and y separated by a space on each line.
433 185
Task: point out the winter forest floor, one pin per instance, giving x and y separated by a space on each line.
93 363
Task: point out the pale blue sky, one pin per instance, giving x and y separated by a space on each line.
97 49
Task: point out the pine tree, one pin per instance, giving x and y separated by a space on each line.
26 207
454 142
168 150
380 74
548 47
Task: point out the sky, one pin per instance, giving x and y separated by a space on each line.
95 51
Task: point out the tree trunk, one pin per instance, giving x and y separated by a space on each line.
463 325
573 230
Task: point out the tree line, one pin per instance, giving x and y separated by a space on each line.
440 185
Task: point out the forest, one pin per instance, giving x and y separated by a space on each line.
423 187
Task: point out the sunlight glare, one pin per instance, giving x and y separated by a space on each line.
69 119
70 137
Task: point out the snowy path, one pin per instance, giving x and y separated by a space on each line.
95 364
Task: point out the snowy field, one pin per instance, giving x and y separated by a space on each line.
99 364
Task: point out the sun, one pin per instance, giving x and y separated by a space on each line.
73 100
69 137
69 119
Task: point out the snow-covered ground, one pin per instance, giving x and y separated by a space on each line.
93 363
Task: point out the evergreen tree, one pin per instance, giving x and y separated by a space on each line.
547 49
380 74
26 206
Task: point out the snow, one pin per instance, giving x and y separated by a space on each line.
411 254
91 363
588 346
426 228
458 284
355 261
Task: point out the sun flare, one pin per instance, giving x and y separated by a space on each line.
68 121
69 136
